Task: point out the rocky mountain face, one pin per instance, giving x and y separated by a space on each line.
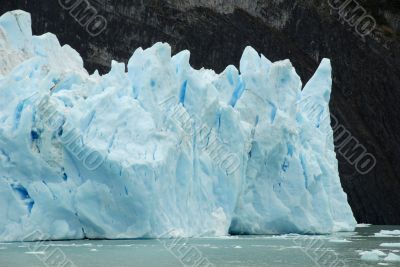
363 46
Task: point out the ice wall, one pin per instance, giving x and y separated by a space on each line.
162 149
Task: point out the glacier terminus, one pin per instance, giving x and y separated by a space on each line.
157 148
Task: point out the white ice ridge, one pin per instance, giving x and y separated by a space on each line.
162 149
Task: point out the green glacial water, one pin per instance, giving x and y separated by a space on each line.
340 249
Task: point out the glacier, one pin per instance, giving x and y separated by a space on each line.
158 148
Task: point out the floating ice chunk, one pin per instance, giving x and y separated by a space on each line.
369 256
339 241
373 255
391 257
363 225
390 245
388 233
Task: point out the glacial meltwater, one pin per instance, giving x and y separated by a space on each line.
366 246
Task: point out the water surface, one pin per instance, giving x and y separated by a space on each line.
340 249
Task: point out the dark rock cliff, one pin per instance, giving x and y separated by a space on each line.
366 70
